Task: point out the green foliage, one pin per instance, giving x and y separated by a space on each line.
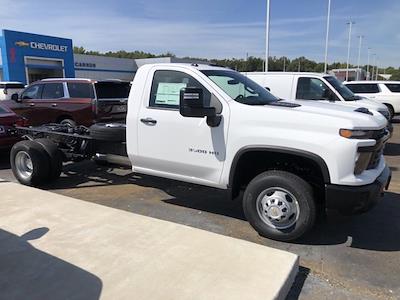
121 53
251 64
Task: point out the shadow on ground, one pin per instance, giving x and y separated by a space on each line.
4 160
374 230
28 273
392 149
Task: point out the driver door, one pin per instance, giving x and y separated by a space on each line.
173 146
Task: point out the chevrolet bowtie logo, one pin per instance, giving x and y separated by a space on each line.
22 44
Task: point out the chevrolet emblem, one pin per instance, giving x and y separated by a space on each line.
22 44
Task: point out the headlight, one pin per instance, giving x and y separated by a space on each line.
357 134
385 113
2 130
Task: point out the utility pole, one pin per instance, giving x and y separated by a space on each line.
359 55
351 23
327 37
299 68
369 53
267 35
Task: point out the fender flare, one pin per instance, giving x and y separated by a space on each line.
283 150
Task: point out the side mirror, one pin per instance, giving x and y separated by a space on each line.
15 97
192 104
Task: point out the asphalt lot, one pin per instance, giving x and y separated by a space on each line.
343 258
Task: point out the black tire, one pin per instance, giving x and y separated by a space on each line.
298 196
69 122
55 155
113 132
40 163
391 111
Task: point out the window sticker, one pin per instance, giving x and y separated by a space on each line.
168 93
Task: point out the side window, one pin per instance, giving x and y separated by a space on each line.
80 90
235 89
364 88
312 89
53 91
32 92
393 87
166 88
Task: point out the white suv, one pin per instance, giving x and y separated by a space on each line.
386 92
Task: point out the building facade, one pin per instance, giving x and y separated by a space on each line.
28 57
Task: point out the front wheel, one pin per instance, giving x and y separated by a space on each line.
279 205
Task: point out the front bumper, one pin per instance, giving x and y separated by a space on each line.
357 199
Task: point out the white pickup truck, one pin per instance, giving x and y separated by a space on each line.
313 87
213 126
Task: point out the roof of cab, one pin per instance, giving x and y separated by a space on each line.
372 82
288 73
200 67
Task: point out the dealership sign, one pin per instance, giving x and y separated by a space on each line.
42 46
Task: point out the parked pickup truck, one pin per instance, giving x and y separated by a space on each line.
313 87
71 101
213 126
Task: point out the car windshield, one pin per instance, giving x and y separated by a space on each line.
240 88
343 90
2 110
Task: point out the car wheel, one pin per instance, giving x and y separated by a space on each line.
68 122
279 205
30 163
391 111
113 132
56 157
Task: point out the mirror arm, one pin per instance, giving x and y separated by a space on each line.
214 121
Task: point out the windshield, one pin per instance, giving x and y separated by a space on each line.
343 90
240 88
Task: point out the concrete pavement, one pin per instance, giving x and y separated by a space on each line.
56 247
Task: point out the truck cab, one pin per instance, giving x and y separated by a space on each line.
313 87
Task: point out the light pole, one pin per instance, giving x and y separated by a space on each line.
284 63
267 35
359 55
327 37
351 23
369 53
377 69
373 66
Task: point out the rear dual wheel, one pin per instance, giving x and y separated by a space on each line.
36 162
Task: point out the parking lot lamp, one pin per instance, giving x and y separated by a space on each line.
327 37
267 35
360 37
369 53
351 23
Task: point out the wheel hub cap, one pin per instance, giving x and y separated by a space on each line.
24 165
278 208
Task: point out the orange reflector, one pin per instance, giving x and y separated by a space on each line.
346 133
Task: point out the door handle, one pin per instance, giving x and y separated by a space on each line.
54 105
149 121
31 104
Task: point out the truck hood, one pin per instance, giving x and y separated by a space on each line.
342 114
367 103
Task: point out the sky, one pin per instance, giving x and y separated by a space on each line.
215 28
